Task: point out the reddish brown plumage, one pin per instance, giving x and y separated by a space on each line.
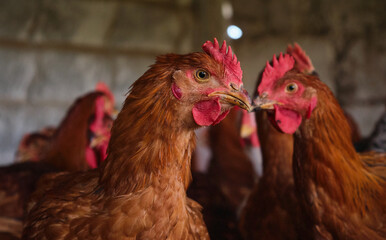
273 210
139 192
340 196
61 151
344 199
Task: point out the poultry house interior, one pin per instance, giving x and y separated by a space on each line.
67 69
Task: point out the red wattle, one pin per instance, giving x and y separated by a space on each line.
91 158
287 120
221 117
208 112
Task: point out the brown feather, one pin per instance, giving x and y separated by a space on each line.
343 199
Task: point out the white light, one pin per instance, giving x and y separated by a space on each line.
234 32
227 10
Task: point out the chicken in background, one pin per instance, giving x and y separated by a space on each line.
139 192
228 180
246 124
250 141
272 210
63 150
91 115
89 124
340 196
231 168
202 154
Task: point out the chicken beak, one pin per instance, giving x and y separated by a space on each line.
97 140
114 113
238 97
264 103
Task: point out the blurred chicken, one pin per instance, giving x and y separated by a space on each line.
82 118
227 182
84 133
341 197
65 150
139 192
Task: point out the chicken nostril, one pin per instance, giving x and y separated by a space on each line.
234 86
264 95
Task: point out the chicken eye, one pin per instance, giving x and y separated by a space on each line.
291 88
202 75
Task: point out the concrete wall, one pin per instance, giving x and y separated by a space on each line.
53 51
345 40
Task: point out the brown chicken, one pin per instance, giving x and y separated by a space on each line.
87 123
231 167
229 179
82 134
139 192
342 198
65 150
272 210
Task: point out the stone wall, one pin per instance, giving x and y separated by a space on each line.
53 51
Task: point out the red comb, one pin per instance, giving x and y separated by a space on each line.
225 57
275 72
102 87
302 61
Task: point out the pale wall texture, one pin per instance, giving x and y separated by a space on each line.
53 51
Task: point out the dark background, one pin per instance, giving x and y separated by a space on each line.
53 51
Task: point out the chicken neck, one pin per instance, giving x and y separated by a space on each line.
149 140
277 162
326 166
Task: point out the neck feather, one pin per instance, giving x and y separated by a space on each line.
277 164
148 139
325 155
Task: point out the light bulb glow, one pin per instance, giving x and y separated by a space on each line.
234 32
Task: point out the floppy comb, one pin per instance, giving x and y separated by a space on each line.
221 55
102 87
302 61
272 73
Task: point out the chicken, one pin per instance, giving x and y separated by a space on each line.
250 141
89 123
272 210
231 168
229 178
65 151
139 192
341 197
93 122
